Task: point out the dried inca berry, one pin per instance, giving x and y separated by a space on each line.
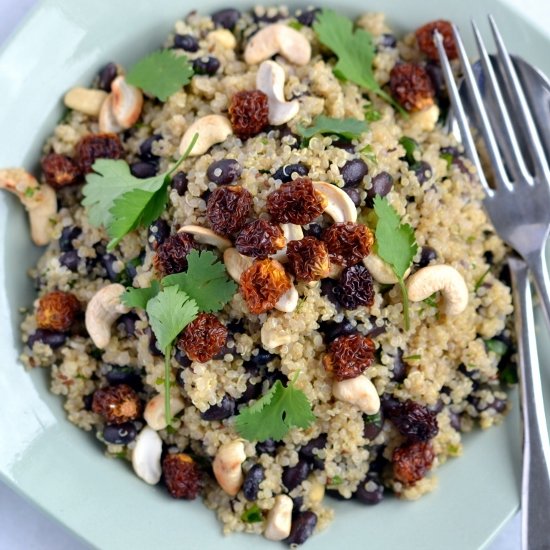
425 39
308 259
260 238
349 356
412 461
414 421
182 476
59 170
228 208
411 86
117 404
171 255
263 283
203 338
348 243
248 113
296 202
355 287
57 311
97 146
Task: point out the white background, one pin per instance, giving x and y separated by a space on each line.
24 527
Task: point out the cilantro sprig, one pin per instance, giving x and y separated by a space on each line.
120 202
347 128
274 414
355 51
161 73
396 245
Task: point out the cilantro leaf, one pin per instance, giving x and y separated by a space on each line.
138 297
253 514
170 311
274 414
161 74
355 51
348 128
205 281
396 245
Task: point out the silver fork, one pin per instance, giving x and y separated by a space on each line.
519 208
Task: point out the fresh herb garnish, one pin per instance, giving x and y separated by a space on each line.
347 128
161 73
371 113
295 24
509 374
431 300
448 158
412 358
274 414
369 154
355 51
138 297
480 281
121 202
252 514
396 245
335 481
410 145
496 346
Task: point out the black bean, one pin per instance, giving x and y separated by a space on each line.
354 194
158 232
308 451
297 503
274 375
333 330
206 65
344 144
226 18
182 359
124 375
88 400
455 421
252 391
121 434
186 42
180 378
284 173
313 230
143 170
252 481
399 371
145 152
422 170
128 323
387 40
329 288
180 183
68 234
376 331
353 172
294 475
372 495
131 265
381 184
285 131
153 345
335 494
224 409
268 447
427 256
373 425
302 528
106 76
263 357
236 326
307 17
437 407
48 337
70 260
489 257
108 261
389 405
224 172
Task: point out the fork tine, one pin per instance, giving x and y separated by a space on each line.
512 152
481 112
516 92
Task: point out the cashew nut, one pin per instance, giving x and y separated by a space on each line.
235 263
358 391
154 413
445 278
224 37
339 205
227 466
292 232
212 129
288 301
39 199
271 81
279 519
102 311
380 270
85 100
122 108
271 334
204 235
146 456
278 38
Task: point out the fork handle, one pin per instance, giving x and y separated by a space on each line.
537 265
535 490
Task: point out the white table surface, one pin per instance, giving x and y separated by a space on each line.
25 527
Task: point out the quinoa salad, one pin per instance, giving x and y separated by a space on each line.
268 279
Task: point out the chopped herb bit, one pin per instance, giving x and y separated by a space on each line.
171 430
264 141
296 25
396 245
375 418
161 74
371 113
252 514
431 300
410 145
29 192
412 358
159 381
509 374
355 51
453 450
335 481
480 281
347 128
470 366
496 346
471 239
448 157
274 414
121 455
369 154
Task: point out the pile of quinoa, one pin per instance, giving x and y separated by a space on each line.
447 365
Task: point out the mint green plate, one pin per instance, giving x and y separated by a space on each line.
62 469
